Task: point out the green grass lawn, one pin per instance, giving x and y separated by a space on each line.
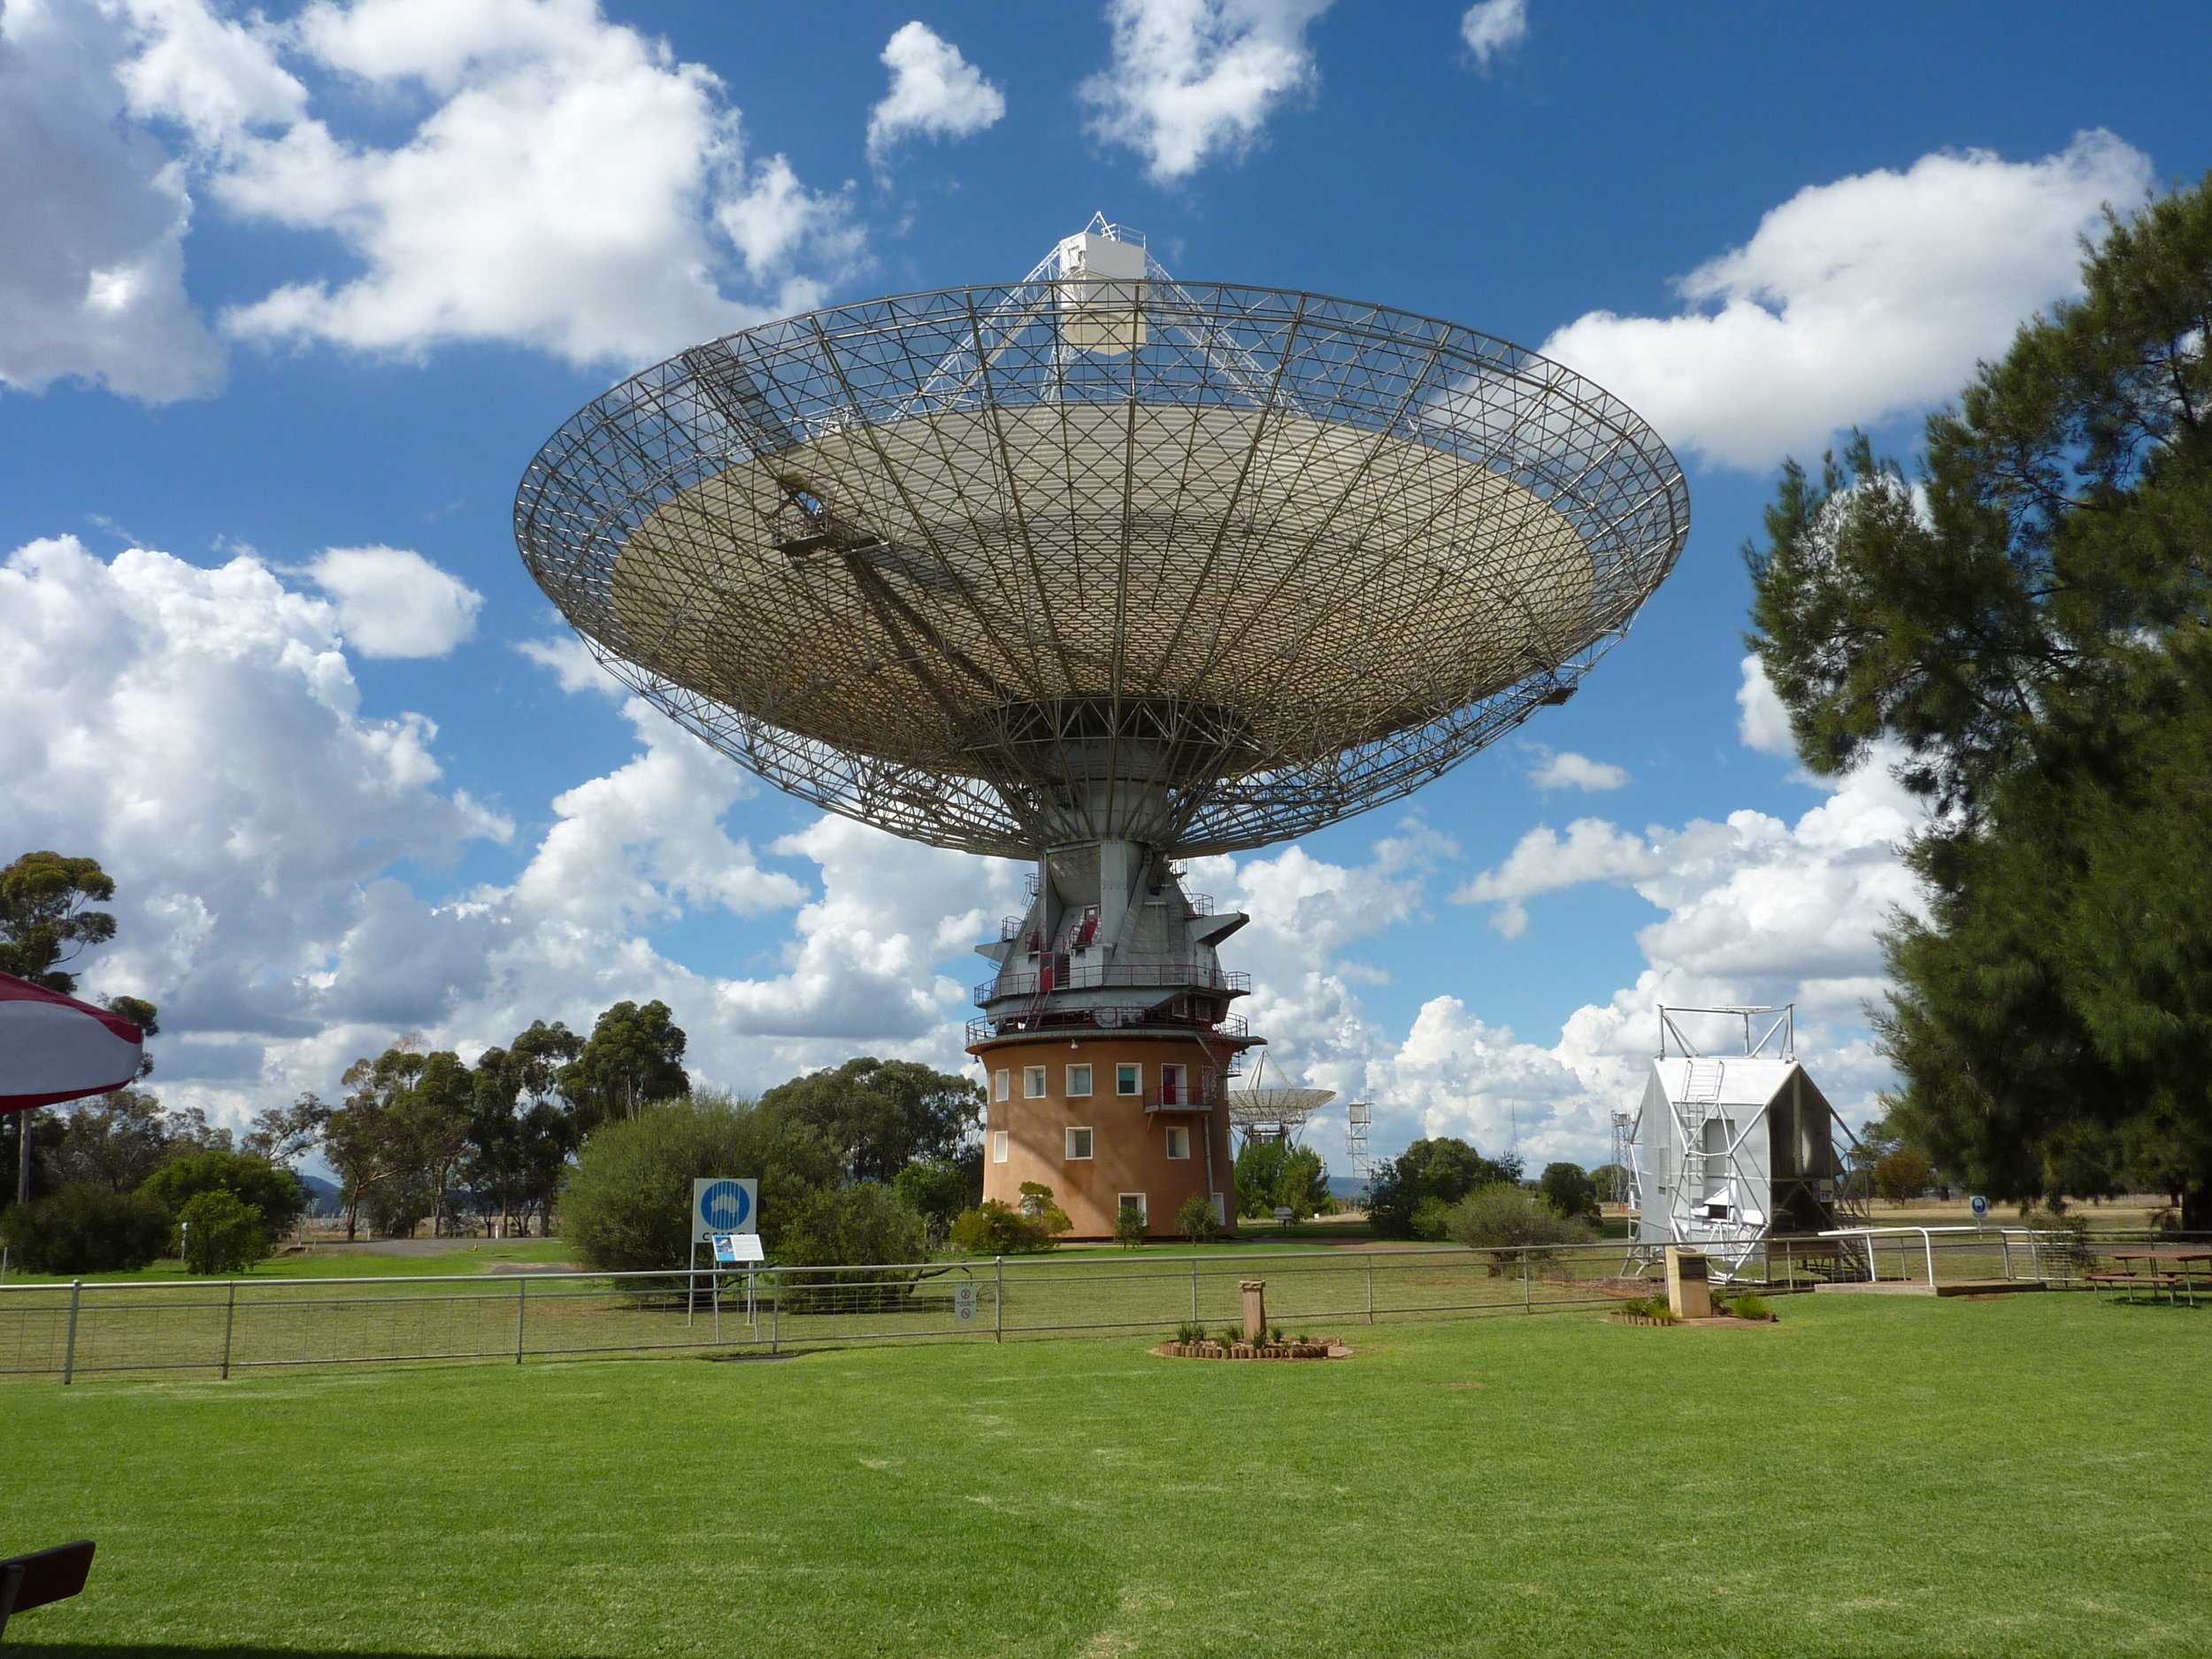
1874 1476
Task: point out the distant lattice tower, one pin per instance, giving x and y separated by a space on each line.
1359 1118
1098 569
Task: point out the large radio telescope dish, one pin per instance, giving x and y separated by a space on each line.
1100 554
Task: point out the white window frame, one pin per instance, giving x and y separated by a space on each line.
1178 1135
998 1146
1083 1092
1133 1082
1090 1143
1004 1081
1122 1202
1034 1082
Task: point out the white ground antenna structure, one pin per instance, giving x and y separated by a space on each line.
1273 1111
1359 1118
1731 1151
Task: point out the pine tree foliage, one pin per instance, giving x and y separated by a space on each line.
2030 626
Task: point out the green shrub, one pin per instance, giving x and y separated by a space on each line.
1503 1216
1637 1306
995 1227
1196 1219
626 1205
1190 1334
221 1235
1748 1306
856 1227
1129 1227
1445 1169
1037 1202
86 1229
254 1182
1432 1220
860 1225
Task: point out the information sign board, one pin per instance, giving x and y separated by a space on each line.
964 1304
1979 1206
738 1249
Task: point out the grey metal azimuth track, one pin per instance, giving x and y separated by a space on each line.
1196 566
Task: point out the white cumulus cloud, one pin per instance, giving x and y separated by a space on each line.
1869 297
1193 78
1491 26
92 216
394 602
522 171
200 732
1762 722
935 93
1569 770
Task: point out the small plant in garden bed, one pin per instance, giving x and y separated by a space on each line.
1647 1311
1748 1306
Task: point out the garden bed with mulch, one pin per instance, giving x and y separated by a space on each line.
1246 1350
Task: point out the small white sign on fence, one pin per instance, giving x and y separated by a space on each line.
964 1304
1978 1205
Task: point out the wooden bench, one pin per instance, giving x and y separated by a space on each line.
49 1575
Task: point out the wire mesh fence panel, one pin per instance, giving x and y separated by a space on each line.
228 1326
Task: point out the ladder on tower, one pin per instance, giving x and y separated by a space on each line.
1701 1087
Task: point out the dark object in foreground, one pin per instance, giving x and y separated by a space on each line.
47 1575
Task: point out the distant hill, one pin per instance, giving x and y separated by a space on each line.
322 1196
1344 1189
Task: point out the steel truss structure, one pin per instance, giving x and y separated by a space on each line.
1273 1111
1719 1158
1102 556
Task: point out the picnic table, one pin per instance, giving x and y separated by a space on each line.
2174 1268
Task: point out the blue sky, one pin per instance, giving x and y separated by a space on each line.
273 285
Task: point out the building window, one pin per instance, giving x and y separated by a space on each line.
1079 1143
1079 1080
998 1142
1004 1080
1135 1200
1033 1081
1178 1143
1128 1079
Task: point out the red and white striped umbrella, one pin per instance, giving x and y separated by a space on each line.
54 1047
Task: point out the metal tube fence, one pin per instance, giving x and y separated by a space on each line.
230 1327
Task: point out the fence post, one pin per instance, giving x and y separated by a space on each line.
1370 1290
1526 1305
522 1290
775 1314
230 1319
1194 1290
998 1299
76 1289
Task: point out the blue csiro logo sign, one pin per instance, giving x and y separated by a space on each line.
724 1206
719 1205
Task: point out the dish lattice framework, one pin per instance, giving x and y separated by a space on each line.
1197 564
